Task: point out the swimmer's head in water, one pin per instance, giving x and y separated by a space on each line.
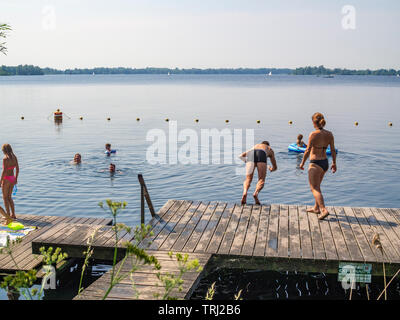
318 120
265 142
299 137
108 146
77 158
112 167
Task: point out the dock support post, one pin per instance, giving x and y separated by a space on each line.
144 194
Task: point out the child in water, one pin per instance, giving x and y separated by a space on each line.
108 148
300 143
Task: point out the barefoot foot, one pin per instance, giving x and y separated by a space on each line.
313 210
256 199
244 199
323 215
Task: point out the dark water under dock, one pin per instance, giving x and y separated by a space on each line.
273 285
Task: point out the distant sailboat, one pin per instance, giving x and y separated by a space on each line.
398 75
93 74
169 74
270 73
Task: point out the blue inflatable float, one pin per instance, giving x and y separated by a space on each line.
295 148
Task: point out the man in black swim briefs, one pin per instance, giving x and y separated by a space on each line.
257 157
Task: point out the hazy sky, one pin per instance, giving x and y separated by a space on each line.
201 33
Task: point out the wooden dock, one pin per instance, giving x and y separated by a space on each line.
271 237
23 257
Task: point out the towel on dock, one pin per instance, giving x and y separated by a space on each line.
6 232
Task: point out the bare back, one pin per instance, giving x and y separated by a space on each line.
319 141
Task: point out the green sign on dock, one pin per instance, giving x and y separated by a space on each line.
354 272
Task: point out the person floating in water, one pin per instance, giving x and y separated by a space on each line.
300 143
77 159
109 151
257 157
112 168
8 180
318 142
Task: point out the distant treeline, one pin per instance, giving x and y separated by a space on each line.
321 70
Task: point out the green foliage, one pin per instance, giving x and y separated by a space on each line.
4 28
173 282
210 292
52 258
21 70
22 281
321 70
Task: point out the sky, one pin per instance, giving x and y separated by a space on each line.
202 33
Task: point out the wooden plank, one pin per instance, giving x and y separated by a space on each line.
20 251
369 232
179 227
349 236
316 236
392 222
327 238
305 234
251 233
362 241
262 232
273 229
201 225
191 225
158 223
169 226
221 228
283 232
227 240
294 233
338 236
240 234
376 227
210 228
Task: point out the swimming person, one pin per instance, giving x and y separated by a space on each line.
108 148
112 168
300 143
318 142
77 159
8 180
257 157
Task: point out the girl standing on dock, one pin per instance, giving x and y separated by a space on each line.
8 180
318 142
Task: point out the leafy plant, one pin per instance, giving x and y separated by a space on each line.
172 281
4 28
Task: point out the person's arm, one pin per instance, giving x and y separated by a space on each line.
333 152
2 173
243 156
306 153
16 171
273 161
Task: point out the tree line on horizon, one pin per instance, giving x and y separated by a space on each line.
321 70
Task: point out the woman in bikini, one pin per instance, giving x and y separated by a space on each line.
318 141
257 157
8 180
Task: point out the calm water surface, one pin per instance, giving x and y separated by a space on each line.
368 160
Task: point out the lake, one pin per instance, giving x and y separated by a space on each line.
368 159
